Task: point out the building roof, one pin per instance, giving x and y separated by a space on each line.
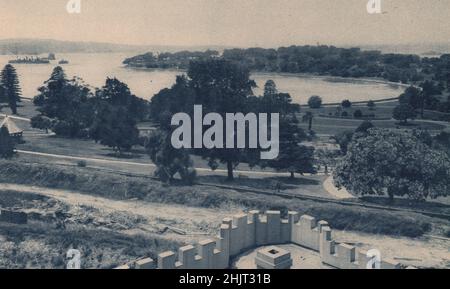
10 125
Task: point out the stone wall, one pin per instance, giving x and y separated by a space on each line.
247 231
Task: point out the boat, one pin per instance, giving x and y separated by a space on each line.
30 60
63 61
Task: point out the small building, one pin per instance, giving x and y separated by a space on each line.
14 131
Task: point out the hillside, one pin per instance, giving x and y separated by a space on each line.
43 46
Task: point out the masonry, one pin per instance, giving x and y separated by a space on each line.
248 231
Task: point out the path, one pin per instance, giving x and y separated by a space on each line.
334 191
184 217
147 165
15 117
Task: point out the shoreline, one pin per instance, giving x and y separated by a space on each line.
328 78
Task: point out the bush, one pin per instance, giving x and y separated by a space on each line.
315 102
358 114
346 103
371 221
41 122
81 164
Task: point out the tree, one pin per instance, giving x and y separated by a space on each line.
270 88
114 127
371 105
67 103
358 114
364 127
117 93
41 122
169 161
11 87
308 117
179 98
412 96
403 112
315 102
346 103
3 97
223 87
6 144
293 157
272 103
395 163
343 139
429 90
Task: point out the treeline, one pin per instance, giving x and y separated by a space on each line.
178 60
109 115
320 60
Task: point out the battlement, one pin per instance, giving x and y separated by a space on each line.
344 256
244 232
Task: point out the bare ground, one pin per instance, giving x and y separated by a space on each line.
192 220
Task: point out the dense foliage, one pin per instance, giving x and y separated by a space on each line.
321 60
394 163
223 86
178 60
70 109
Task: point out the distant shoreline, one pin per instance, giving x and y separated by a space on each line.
328 78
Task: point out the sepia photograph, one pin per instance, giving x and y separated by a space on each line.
224 134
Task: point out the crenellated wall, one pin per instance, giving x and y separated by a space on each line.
344 256
247 231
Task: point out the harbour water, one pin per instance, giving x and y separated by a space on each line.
94 68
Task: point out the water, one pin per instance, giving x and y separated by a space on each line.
94 68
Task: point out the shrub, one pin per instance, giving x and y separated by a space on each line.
346 103
358 114
315 102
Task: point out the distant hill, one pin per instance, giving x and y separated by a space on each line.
43 46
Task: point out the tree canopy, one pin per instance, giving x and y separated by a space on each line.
223 86
403 112
394 163
315 101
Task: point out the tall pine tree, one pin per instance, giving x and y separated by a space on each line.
11 87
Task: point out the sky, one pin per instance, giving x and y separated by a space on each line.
243 23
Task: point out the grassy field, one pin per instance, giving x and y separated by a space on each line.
326 123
